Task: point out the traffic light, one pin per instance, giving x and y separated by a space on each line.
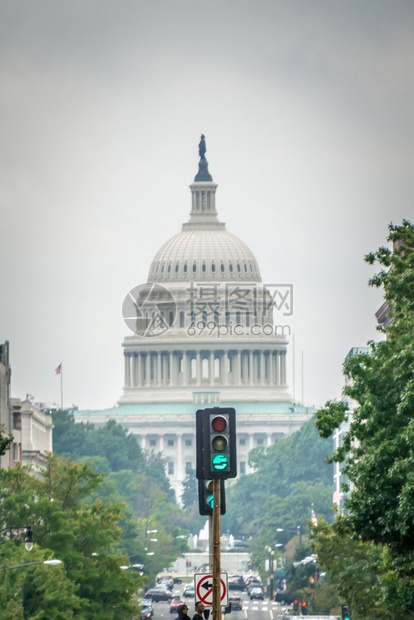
346 614
295 605
304 608
216 443
206 499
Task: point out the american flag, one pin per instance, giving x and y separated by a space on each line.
58 370
314 519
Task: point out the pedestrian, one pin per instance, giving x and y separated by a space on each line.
201 612
182 613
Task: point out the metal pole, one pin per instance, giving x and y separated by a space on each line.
216 552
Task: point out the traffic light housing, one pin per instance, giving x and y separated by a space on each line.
216 443
304 608
295 605
206 499
346 614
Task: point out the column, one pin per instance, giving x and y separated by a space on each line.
225 367
127 371
251 441
251 368
161 443
148 369
238 369
171 368
139 370
277 367
262 367
143 441
159 372
268 439
283 368
198 368
185 368
134 369
271 368
211 368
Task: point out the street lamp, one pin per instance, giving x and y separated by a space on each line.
47 562
28 541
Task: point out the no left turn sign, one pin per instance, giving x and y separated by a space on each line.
203 585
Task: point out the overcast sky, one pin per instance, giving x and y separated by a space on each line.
307 106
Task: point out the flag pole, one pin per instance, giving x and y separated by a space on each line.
61 385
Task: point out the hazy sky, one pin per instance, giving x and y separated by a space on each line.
307 106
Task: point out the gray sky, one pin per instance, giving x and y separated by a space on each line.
307 106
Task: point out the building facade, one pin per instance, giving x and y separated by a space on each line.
204 334
30 428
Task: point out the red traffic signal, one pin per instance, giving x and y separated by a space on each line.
304 608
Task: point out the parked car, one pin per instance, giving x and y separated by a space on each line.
283 597
256 593
159 593
189 591
236 603
176 601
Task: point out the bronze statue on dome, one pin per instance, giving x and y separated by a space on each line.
202 146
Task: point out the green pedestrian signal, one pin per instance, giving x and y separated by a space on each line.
220 462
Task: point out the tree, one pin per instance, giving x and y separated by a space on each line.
83 535
5 442
378 450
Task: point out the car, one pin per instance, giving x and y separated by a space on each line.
236 603
236 582
159 593
147 610
256 583
189 591
168 583
256 593
176 601
283 597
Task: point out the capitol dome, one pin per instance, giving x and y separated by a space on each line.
204 250
203 254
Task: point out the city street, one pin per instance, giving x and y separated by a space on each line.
253 610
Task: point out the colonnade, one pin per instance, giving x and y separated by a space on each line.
240 367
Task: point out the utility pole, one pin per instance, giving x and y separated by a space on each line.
216 551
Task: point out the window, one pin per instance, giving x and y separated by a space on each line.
188 467
193 368
171 318
205 318
181 319
203 268
170 468
176 268
185 268
242 442
216 317
152 443
242 467
170 442
188 442
231 267
213 267
194 267
260 441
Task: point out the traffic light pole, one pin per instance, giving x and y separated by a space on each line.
216 552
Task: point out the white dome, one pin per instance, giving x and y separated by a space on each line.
209 254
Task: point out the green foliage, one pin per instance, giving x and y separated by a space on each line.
83 535
5 442
132 477
290 476
378 451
